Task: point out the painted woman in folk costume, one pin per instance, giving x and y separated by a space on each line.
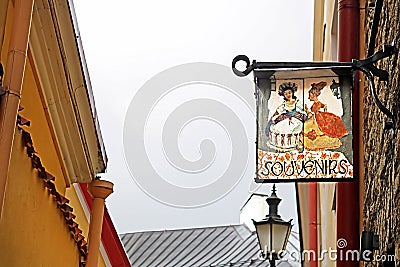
284 129
323 130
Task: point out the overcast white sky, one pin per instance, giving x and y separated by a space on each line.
126 43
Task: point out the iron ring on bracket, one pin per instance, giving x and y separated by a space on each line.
365 65
248 69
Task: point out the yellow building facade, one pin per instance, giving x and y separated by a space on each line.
55 139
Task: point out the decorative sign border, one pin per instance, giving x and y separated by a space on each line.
304 126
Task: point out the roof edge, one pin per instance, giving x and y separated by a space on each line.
86 79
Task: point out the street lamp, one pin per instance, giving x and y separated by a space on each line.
273 232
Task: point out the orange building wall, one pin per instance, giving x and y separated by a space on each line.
34 110
32 231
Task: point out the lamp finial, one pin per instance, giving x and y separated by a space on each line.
273 190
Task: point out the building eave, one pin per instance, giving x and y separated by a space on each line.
86 78
56 52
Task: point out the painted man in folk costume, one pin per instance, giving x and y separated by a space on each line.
284 129
323 130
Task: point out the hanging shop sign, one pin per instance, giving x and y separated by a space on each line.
304 120
304 126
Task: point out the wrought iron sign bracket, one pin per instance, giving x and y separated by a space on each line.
365 65
283 65
368 68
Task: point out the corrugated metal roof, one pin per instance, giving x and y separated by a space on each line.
233 245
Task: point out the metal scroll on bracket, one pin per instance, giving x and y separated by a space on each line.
365 65
368 68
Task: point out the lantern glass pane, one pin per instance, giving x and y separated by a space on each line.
264 236
280 232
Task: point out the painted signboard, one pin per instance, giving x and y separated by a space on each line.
304 126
